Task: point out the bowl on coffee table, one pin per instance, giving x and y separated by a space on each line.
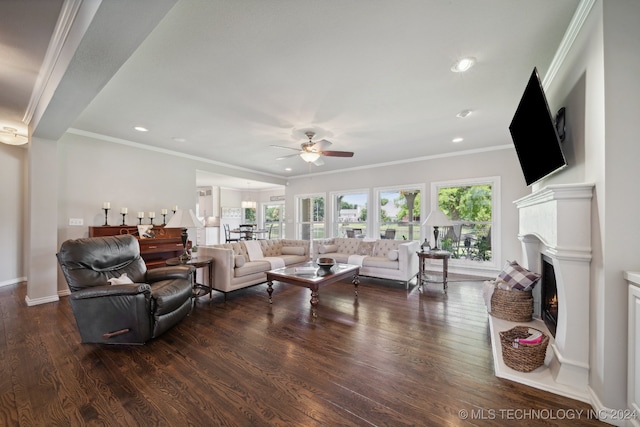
325 264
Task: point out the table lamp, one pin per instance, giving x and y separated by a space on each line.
436 219
184 219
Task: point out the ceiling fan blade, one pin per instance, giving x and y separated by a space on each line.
288 156
319 162
287 148
337 153
322 145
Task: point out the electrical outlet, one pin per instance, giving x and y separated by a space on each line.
76 221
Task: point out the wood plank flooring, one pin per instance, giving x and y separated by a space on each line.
391 357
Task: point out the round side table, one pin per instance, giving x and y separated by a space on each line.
436 254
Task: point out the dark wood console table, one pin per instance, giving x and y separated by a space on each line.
167 243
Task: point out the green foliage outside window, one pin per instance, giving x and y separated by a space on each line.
472 207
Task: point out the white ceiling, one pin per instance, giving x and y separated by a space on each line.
233 78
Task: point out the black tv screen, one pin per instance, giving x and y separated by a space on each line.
534 134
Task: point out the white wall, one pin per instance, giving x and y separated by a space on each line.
92 171
12 221
502 162
598 85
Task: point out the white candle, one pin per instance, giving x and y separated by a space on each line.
124 210
152 214
175 207
106 205
163 211
140 214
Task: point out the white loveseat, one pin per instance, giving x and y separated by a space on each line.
383 258
237 267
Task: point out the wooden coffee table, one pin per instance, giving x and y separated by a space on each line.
310 276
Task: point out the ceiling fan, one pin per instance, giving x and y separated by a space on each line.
312 152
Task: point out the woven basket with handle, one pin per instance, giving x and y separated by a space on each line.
522 357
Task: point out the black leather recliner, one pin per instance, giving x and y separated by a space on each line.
122 314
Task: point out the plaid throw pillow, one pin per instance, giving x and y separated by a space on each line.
518 277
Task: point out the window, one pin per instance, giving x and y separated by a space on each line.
274 220
473 207
311 216
349 213
399 209
249 215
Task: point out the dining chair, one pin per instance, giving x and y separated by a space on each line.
390 233
227 235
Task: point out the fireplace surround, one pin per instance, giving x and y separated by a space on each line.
555 222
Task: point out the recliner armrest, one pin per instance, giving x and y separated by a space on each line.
111 290
170 272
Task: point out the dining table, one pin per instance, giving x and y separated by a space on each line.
247 233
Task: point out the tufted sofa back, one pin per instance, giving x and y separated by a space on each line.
270 248
381 247
384 246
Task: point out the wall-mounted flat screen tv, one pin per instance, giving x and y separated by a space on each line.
534 134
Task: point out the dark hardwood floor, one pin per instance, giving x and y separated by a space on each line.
395 357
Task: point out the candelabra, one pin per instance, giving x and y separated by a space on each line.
123 215
140 217
163 212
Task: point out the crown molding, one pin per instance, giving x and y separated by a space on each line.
570 35
63 27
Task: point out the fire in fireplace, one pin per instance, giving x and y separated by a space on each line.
549 295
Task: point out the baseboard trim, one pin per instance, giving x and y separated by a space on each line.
13 281
44 300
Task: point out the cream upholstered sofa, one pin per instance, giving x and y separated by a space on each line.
236 266
383 258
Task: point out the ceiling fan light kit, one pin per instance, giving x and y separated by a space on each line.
10 136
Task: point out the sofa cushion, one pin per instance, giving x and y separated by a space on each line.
380 262
393 255
294 259
292 250
252 267
240 260
326 249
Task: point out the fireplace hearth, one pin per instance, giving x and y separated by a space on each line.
549 295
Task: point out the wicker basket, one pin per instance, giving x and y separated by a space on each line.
522 357
514 305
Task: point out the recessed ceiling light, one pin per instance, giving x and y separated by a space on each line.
456 140
463 64
287 169
464 113
178 139
141 129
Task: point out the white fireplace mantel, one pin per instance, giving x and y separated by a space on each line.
556 221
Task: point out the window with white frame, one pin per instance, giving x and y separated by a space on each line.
349 213
473 207
398 208
310 216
